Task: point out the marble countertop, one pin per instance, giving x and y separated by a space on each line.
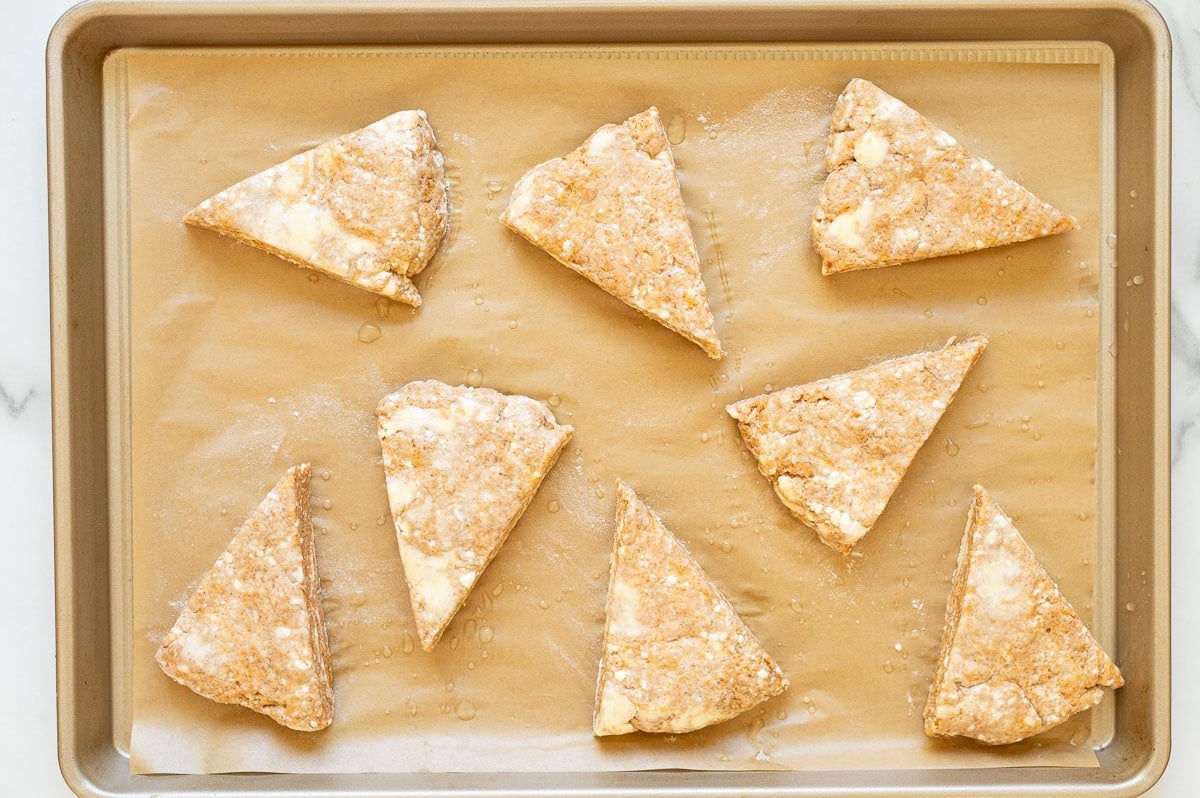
28 746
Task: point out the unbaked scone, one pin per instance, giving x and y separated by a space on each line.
461 465
677 657
836 449
612 211
368 208
1015 658
253 632
900 189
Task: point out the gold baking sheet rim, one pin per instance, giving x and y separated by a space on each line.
210 332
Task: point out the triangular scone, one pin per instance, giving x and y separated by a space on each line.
1015 658
367 208
462 464
900 189
253 632
677 657
612 211
836 449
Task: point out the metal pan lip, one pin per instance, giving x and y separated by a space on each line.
75 48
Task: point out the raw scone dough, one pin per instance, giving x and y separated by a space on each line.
836 449
900 189
367 208
677 657
253 632
1015 658
612 211
461 464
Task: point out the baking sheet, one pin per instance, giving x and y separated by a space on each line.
243 365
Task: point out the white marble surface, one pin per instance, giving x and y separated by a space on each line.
28 761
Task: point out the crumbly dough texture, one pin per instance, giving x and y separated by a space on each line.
900 189
253 632
461 464
1015 658
836 449
612 211
677 657
367 208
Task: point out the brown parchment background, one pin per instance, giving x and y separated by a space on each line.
243 365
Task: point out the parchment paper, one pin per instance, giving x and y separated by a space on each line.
243 365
